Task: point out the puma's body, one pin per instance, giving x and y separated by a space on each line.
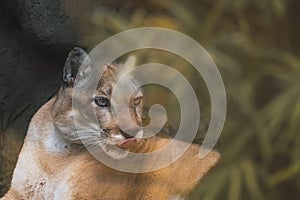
52 167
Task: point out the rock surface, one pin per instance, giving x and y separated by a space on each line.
52 23
28 77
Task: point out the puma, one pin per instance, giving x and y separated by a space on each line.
54 164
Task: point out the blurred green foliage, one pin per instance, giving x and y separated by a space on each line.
255 44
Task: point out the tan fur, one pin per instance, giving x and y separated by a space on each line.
52 165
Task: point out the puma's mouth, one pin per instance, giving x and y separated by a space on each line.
129 139
127 142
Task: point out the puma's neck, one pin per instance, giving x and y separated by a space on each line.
42 131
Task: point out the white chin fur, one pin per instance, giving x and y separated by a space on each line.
139 135
118 137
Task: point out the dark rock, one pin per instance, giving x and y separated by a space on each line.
57 24
45 22
28 77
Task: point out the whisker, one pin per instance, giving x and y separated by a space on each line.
96 144
88 131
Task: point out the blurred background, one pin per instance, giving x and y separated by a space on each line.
255 44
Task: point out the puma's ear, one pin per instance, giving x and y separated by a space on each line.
76 58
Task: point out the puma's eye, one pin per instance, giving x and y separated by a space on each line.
137 101
102 101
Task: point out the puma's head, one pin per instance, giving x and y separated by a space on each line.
96 104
